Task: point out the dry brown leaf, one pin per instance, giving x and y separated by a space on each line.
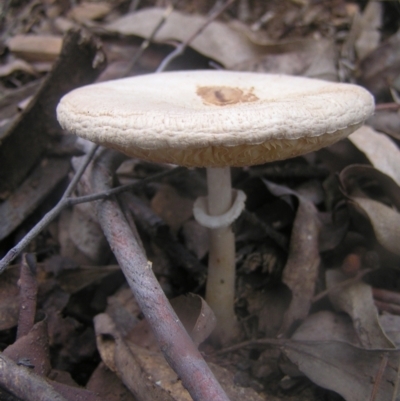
356 300
17 65
33 349
90 11
370 24
35 47
301 270
380 150
358 182
147 374
391 326
379 70
327 326
196 316
349 371
217 41
108 386
196 238
387 122
385 222
310 58
87 235
31 193
171 207
73 280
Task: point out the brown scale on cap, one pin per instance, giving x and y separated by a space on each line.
225 95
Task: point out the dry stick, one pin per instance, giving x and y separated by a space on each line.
146 43
252 343
174 342
49 216
24 383
124 188
387 106
181 47
28 295
379 376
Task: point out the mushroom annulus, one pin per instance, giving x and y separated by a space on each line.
216 119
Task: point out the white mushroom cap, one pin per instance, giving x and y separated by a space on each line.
215 118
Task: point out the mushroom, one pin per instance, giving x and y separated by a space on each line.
216 119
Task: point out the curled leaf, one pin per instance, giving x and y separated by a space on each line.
380 150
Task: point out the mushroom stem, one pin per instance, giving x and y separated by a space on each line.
220 289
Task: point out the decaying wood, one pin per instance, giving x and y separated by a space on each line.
25 142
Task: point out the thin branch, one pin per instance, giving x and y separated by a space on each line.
344 283
68 201
123 188
146 43
379 376
182 47
387 106
49 216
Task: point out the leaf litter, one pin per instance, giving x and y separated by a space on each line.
317 249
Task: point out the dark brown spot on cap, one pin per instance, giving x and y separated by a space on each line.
225 95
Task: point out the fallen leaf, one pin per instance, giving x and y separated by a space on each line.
301 270
196 316
349 371
108 386
327 326
356 300
32 349
171 207
35 47
380 150
379 70
370 25
314 58
31 193
384 220
217 41
387 122
359 183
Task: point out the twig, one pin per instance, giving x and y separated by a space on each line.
28 295
182 47
146 43
387 106
386 296
124 188
49 216
25 384
352 280
379 376
68 201
251 343
174 342
160 233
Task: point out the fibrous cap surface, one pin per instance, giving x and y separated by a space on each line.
215 118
